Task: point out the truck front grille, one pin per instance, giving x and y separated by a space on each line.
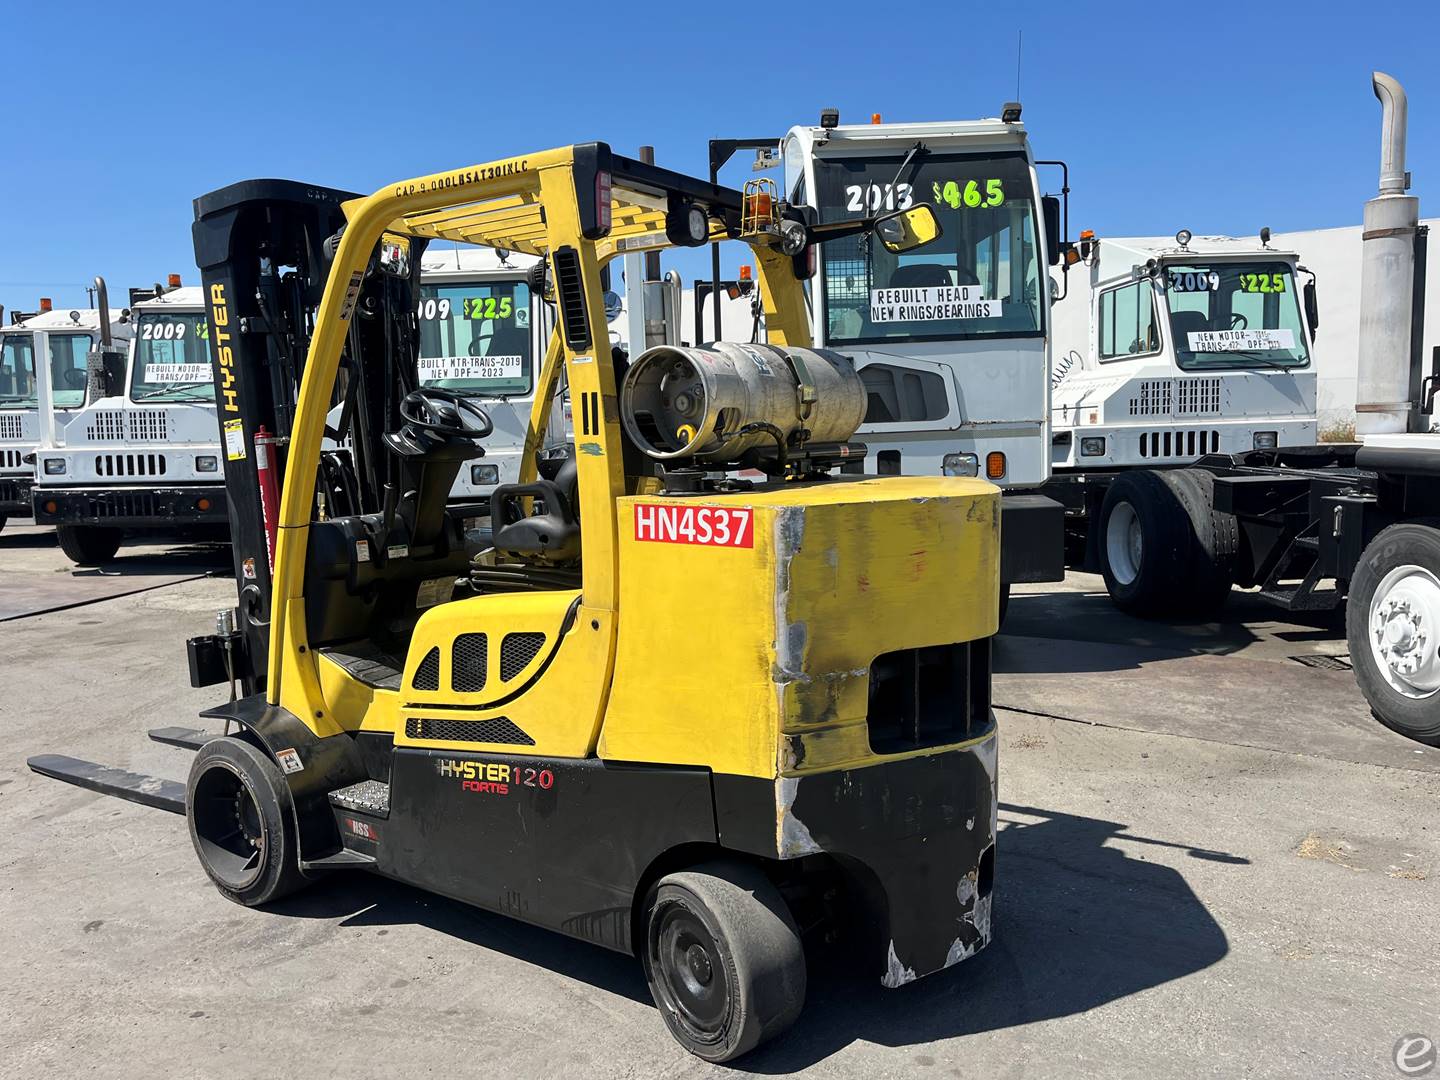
12 425
10 459
130 465
929 696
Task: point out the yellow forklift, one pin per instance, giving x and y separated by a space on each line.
696 718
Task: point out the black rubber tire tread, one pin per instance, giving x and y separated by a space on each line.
1166 544
281 875
1216 538
761 952
89 545
1413 543
3 520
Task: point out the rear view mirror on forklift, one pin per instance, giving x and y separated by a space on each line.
1312 303
790 727
906 230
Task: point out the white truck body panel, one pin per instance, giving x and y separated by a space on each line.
1148 408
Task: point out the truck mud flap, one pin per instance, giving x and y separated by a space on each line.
151 791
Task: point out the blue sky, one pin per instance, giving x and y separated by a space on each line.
1216 116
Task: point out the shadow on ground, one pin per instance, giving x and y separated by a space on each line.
1079 923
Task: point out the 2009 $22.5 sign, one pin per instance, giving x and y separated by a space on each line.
715 526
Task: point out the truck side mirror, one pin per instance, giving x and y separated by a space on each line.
1050 208
1312 307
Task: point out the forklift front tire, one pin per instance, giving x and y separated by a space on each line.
242 822
89 545
723 959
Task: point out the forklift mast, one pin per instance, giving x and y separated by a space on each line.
264 249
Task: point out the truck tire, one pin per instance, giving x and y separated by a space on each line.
89 545
242 822
1392 624
1164 550
723 959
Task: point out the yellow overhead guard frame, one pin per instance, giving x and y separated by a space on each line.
581 203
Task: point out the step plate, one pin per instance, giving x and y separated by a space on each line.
368 796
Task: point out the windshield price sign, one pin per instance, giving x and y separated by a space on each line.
437 368
932 303
1241 340
1262 283
487 307
1194 281
970 194
178 373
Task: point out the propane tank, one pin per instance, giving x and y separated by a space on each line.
693 402
1387 279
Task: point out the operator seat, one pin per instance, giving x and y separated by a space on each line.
1184 323
552 532
920 276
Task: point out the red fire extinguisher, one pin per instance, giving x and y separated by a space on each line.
269 490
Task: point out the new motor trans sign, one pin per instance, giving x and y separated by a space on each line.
715 526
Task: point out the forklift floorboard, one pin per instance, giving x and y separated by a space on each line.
368 664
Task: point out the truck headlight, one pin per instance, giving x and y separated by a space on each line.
1267 440
1092 446
961 465
481 475
207 463
54 466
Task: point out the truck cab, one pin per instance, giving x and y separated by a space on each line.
952 341
70 334
146 454
1190 348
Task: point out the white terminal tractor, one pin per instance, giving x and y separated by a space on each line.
69 335
143 453
952 342
1169 350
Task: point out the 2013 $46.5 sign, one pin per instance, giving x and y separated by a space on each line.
715 526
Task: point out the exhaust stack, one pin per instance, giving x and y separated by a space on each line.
1385 393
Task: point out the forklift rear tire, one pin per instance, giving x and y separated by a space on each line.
1392 624
1164 550
89 545
242 822
723 959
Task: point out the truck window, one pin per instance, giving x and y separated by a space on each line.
17 370
172 357
1234 315
1127 322
475 337
896 395
981 278
67 369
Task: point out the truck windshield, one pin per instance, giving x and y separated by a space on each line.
172 357
981 278
1229 315
17 370
475 337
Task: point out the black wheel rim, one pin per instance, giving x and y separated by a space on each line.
229 826
691 972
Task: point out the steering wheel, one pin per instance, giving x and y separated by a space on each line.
1239 322
434 409
74 378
